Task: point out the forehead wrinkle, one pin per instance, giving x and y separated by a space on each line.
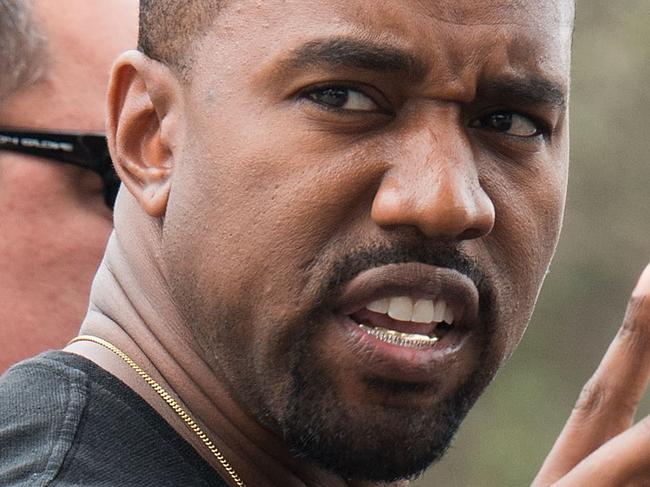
399 49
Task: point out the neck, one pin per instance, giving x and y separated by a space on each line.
153 333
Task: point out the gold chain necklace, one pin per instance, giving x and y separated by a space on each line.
171 402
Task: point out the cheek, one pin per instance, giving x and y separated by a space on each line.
243 229
271 207
529 216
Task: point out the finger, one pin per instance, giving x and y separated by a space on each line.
622 461
608 401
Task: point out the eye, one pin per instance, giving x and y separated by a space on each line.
342 98
509 123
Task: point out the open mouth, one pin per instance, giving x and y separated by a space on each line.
406 322
412 314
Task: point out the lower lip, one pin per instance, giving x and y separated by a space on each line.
397 362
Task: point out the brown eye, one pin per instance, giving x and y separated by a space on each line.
510 123
343 98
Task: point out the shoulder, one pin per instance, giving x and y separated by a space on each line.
41 404
66 421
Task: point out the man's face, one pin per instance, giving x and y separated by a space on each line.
53 220
341 156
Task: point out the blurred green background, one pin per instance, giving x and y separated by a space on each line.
604 246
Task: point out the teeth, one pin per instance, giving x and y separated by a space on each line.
449 316
422 311
379 306
439 311
404 308
401 308
411 340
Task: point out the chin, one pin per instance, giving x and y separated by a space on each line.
370 441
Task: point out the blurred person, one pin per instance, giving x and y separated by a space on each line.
336 222
54 216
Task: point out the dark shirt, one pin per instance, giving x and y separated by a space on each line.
64 421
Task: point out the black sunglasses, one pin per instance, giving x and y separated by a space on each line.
85 150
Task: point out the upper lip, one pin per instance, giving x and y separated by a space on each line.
416 280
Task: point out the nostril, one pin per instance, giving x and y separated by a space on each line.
471 233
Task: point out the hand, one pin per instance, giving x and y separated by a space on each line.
600 446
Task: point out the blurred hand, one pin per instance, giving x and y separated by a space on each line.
600 446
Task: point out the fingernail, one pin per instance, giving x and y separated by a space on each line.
643 286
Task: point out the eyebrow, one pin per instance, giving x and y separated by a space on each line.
357 54
378 57
530 90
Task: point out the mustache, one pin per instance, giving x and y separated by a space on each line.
377 255
348 266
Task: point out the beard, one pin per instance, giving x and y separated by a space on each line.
301 402
380 442
377 442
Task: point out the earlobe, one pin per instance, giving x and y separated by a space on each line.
142 123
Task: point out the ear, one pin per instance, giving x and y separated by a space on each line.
142 128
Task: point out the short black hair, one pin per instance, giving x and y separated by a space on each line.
169 27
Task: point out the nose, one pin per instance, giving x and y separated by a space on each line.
433 184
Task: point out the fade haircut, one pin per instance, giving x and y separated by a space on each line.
168 28
23 49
